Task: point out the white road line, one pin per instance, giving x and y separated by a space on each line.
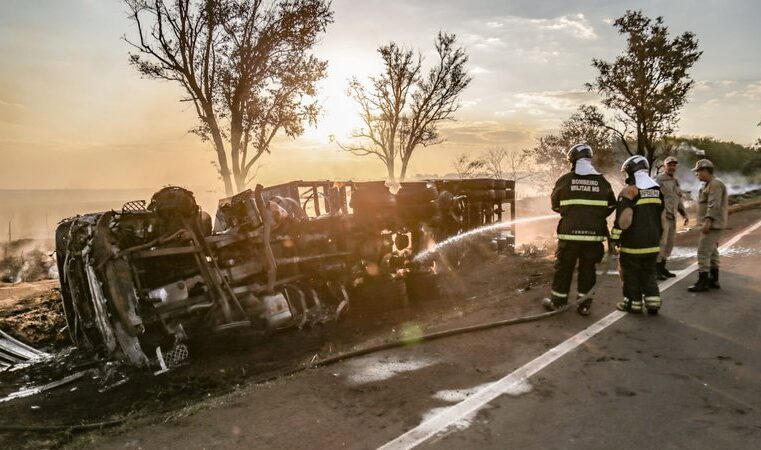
454 413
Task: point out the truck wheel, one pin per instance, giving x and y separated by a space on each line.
478 184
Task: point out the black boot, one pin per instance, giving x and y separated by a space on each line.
554 303
660 270
630 306
701 285
665 271
713 279
584 307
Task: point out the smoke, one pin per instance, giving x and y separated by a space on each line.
736 182
27 265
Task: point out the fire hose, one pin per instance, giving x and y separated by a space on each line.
315 363
447 333
608 262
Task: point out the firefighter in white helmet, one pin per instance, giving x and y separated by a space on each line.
584 199
637 230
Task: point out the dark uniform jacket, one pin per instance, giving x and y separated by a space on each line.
584 202
643 236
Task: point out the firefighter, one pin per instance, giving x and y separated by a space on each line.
713 209
584 199
672 204
637 230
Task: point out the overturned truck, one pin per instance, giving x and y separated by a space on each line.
139 282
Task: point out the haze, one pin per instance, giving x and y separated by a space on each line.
74 114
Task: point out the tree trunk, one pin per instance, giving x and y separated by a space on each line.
650 155
240 180
239 175
224 169
236 136
390 169
403 173
640 140
219 145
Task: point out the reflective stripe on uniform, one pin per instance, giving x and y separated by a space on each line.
583 201
648 201
579 237
653 301
558 294
615 233
640 251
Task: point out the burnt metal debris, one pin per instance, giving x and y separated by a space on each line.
139 282
14 352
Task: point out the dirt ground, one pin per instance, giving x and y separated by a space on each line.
33 313
220 364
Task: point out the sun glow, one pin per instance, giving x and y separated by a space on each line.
340 114
338 119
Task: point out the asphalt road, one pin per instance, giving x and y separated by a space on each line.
687 378
690 378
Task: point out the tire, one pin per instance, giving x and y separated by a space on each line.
482 195
478 184
412 193
452 186
413 198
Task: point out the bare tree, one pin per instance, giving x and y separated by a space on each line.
648 84
401 109
501 163
467 167
494 161
383 106
245 66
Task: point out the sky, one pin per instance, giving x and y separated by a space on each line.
75 114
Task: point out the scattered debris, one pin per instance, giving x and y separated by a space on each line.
13 352
34 390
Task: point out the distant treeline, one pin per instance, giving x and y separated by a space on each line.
728 155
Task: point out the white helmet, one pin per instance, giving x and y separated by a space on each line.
579 151
634 164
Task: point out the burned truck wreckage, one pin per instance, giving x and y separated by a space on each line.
138 283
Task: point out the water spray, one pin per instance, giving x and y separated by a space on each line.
458 239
